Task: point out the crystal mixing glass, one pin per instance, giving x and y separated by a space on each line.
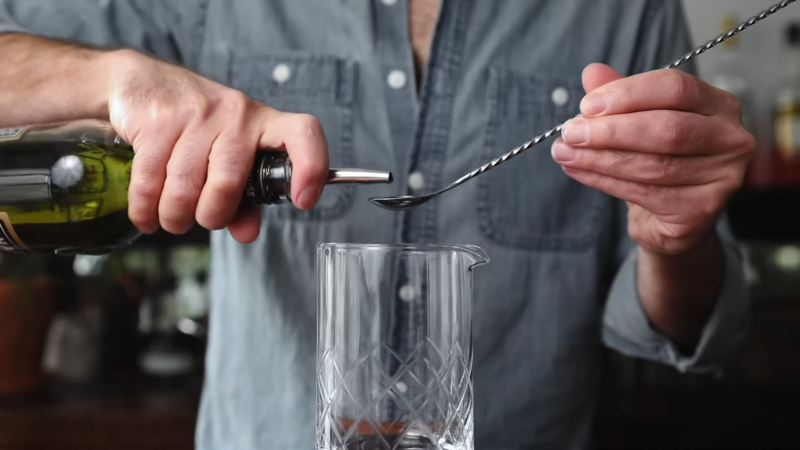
394 346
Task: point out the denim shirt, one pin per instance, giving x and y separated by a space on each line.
562 278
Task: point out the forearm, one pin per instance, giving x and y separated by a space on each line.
43 80
678 292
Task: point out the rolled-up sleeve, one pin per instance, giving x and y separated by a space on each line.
162 28
626 328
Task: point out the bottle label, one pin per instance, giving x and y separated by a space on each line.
250 190
787 129
9 241
11 134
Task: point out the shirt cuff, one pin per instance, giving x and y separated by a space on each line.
627 329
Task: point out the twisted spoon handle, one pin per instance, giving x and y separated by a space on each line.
684 59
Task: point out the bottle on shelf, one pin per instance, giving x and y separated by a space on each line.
64 187
727 75
787 105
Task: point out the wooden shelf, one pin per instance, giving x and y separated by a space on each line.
90 418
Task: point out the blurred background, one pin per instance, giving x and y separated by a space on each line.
754 403
107 352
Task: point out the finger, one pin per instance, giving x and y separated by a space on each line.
246 226
661 89
668 132
148 173
597 75
662 200
662 170
229 165
303 138
186 175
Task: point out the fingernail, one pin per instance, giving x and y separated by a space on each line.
562 152
593 105
576 132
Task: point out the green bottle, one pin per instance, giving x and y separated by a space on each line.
64 187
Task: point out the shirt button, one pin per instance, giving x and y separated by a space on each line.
416 181
406 293
397 79
281 73
389 2
560 96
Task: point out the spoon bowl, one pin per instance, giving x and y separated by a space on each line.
401 203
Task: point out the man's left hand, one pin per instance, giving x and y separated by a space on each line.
669 144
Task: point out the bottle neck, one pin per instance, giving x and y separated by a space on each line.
270 181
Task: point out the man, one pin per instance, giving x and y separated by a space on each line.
429 90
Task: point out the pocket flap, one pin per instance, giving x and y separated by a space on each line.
529 203
304 76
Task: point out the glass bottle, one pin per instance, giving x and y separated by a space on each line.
787 110
64 187
727 74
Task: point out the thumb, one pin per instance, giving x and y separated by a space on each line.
597 75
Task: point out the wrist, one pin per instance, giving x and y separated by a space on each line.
106 67
682 247
678 291
707 258
684 253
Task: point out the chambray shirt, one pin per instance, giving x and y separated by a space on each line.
562 278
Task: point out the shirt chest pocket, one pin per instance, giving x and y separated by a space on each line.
320 85
529 203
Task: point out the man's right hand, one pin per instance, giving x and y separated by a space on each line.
195 142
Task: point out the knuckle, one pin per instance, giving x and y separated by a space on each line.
617 162
236 146
227 182
308 126
162 111
236 104
183 188
645 191
604 132
674 131
680 85
619 95
144 188
675 169
197 108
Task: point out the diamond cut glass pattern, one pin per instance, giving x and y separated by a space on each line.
392 372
